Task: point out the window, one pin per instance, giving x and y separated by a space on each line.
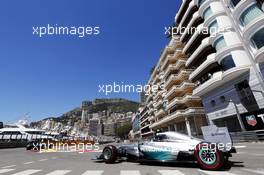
250 14
213 27
222 99
227 63
213 103
258 39
220 43
207 13
234 2
201 2
246 96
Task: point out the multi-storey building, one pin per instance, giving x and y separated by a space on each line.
227 59
145 131
110 129
95 127
172 107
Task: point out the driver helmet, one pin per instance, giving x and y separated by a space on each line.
158 131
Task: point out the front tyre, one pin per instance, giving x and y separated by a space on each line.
208 156
110 154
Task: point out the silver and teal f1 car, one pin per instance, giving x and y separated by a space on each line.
171 147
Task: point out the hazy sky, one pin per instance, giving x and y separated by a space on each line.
50 75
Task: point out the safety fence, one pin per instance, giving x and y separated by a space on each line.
247 136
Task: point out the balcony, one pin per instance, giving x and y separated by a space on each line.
180 90
172 58
188 100
144 120
149 133
219 79
171 68
180 64
178 78
149 97
176 44
194 37
159 113
169 50
207 64
150 104
151 111
178 114
158 95
169 59
184 6
152 118
144 127
202 50
196 19
158 104
188 14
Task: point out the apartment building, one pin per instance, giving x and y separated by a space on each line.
144 114
172 107
110 129
228 59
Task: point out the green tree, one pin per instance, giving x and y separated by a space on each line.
123 131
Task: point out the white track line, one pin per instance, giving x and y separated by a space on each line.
170 172
216 172
42 160
26 163
59 172
130 172
93 172
6 170
240 146
27 172
9 166
254 171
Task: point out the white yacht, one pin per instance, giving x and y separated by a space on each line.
21 131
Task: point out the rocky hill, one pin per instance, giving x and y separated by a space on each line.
71 119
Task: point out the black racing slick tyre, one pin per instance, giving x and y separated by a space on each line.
110 154
209 157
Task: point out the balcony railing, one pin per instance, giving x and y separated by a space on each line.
179 88
178 78
182 100
219 78
210 60
179 113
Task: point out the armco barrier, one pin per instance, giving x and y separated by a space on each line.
247 136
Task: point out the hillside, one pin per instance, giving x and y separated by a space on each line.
115 105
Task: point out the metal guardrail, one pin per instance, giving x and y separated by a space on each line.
247 136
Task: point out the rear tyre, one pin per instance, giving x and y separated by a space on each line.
208 156
110 154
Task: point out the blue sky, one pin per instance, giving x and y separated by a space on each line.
50 75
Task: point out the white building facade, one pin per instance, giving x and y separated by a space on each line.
226 52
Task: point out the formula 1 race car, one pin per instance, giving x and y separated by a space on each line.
171 147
